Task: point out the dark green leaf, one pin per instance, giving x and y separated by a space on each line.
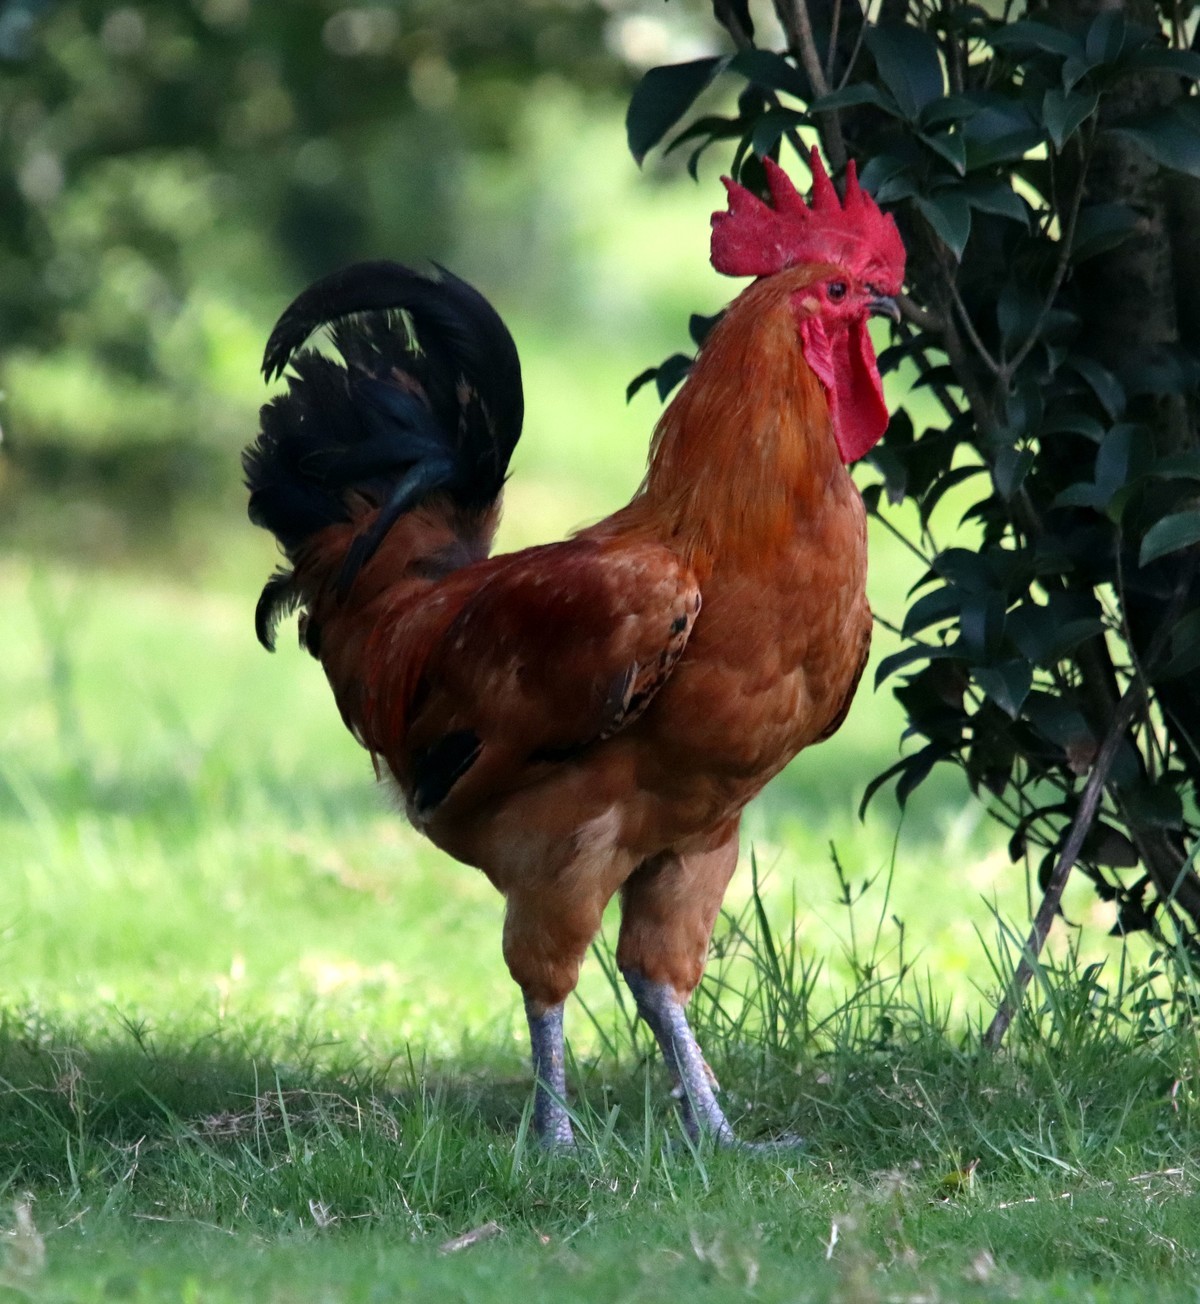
712 127
940 375
1179 530
1170 136
1002 149
693 163
662 97
699 326
891 466
906 656
1105 37
917 770
1156 805
672 373
855 95
1074 423
1018 311
1058 722
1069 636
896 354
879 168
901 185
1075 69
969 570
913 768
1063 112
1106 387
929 608
641 379
771 126
1029 35
1105 845
1026 403
949 146
908 64
741 9
942 485
1158 58
950 109
982 624
1099 228
1007 684
1011 467
948 213
1083 493
773 71
997 198
1176 466
1119 458
1185 650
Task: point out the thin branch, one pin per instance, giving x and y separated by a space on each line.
1060 271
903 538
977 401
921 357
924 319
969 326
954 53
834 29
859 37
730 20
1081 826
797 23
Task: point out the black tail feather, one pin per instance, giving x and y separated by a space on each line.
427 399
277 601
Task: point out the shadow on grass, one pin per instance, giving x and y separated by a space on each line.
86 1112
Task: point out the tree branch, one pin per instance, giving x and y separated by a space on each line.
797 23
1081 826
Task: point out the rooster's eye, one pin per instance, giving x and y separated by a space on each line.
836 290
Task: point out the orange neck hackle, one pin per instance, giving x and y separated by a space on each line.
746 448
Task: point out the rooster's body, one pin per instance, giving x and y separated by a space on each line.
592 716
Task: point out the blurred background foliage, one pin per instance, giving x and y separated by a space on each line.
171 173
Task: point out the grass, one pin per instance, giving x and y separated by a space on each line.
258 1041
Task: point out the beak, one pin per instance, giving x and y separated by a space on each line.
883 305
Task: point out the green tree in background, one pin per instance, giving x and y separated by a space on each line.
160 162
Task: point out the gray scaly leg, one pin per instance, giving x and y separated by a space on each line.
550 1120
694 1082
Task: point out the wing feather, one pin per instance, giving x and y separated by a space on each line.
549 652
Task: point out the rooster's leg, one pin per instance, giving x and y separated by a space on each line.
550 1120
669 906
659 1005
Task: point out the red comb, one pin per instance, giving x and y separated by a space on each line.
758 239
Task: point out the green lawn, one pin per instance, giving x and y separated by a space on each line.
259 1040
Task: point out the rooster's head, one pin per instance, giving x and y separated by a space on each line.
845 260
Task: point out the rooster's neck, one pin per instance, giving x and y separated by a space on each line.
746 451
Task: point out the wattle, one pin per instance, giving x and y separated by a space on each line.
845 365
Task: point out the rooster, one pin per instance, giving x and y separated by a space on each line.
589 717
